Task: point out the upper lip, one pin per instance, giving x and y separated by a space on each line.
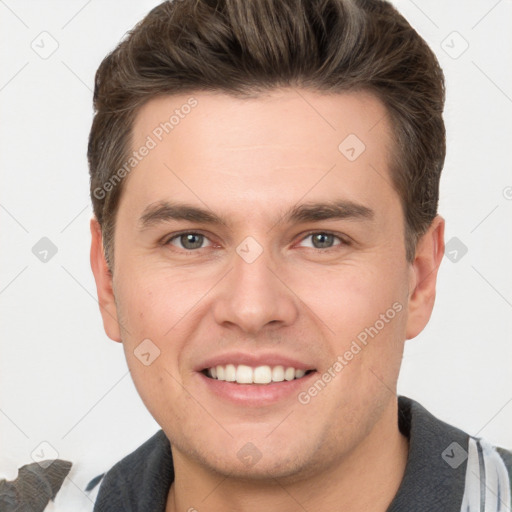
253 360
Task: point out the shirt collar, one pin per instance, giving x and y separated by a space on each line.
433 480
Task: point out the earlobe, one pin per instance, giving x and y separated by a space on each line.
104 288
424 268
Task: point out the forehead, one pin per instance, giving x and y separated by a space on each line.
227 121
257 152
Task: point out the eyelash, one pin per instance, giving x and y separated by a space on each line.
343 241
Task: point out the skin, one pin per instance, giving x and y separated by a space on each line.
249 161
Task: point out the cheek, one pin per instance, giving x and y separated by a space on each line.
363 318
153 340
153 305
157 313
353 298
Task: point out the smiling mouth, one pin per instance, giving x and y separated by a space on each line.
243 374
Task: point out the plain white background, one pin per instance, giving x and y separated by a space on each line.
63 382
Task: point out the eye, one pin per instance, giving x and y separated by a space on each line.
192 241
189 241
324 240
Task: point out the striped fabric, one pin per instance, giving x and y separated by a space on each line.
487 487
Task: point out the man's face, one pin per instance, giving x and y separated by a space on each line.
263 288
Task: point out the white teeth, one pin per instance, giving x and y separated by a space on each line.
262 375
278 374
299 374
230 373
243 374
289 374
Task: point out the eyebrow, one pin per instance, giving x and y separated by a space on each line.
164 211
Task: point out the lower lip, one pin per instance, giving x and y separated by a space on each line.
256 394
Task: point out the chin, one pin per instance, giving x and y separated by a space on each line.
245 461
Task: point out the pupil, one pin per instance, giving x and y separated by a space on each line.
188 241
323 239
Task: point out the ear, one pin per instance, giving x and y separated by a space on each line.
104 288
422 290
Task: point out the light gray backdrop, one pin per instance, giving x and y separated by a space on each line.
66 385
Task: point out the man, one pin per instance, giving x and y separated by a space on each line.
264 177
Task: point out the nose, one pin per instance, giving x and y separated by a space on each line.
254 296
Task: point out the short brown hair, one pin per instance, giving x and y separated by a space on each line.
245 47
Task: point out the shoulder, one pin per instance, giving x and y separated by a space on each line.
448 469
488 476
140 481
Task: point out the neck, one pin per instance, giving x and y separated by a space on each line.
365 479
